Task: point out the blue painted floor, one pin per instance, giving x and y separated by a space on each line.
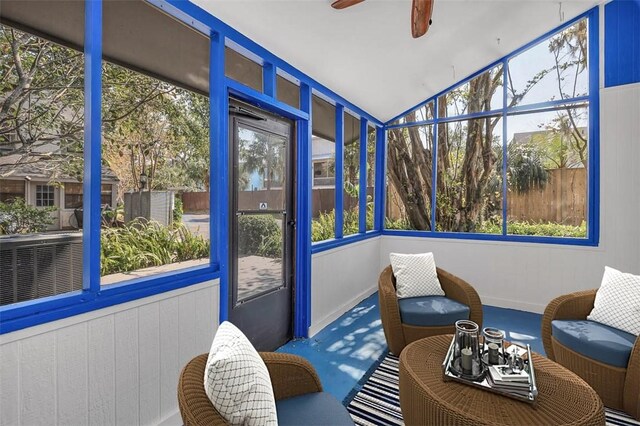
343 351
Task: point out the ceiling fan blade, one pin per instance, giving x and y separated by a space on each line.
421 11
342 4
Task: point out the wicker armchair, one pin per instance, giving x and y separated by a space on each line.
618 387
291 376
399 335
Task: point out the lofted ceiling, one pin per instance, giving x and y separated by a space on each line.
366 52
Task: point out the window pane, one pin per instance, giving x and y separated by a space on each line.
469 190
287 92
351 174
155 183
260 252
371 176
242 69
551 70
547 173
72 195
482 93
11 189
323 158
41 145
422 113
409 165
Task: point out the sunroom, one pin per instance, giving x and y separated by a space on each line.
319 213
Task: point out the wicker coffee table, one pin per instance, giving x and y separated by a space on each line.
425 399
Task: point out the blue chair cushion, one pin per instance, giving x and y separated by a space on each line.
594 340
312 409
431 311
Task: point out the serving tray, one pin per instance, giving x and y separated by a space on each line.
527 395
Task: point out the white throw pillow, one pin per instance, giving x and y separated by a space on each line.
415 275
237 381
617 301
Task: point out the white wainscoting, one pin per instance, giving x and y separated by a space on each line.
118 365
340 278
528 276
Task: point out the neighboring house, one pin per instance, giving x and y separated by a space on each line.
31 177
323 160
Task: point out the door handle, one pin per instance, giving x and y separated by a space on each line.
292 223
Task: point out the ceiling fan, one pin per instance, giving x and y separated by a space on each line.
421 11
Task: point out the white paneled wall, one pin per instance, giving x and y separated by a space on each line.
528 276
340 278
118 365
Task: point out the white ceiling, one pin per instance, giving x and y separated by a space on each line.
366 52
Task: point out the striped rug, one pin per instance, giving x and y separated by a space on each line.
375 400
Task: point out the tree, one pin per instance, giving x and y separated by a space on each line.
41 100
149 125
262 153
469 152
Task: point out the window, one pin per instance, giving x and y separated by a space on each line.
155 145
10 190
469 188
517 169
351 175
323 158
287 92
242 69
45 196
409 177
72 195
41 144
371 176
422 113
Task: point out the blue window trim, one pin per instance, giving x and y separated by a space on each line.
302 311
344 241
30 313
339 178
362 193
593 196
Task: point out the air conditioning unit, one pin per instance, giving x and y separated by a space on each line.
37 265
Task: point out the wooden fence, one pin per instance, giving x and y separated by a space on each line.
323 200
562 200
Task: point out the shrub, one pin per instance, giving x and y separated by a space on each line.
323 227
178 210
141 244
259 235
548 229
17 217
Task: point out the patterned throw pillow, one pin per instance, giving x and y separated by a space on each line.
237 381
415 275
617 301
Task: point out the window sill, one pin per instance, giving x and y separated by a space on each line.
570 241
338 242
39 311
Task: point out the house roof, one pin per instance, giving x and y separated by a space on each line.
40 167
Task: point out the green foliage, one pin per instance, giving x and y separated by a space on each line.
548 229
259 235
178 210
525 169
142 244
17 217
400 224
323 227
